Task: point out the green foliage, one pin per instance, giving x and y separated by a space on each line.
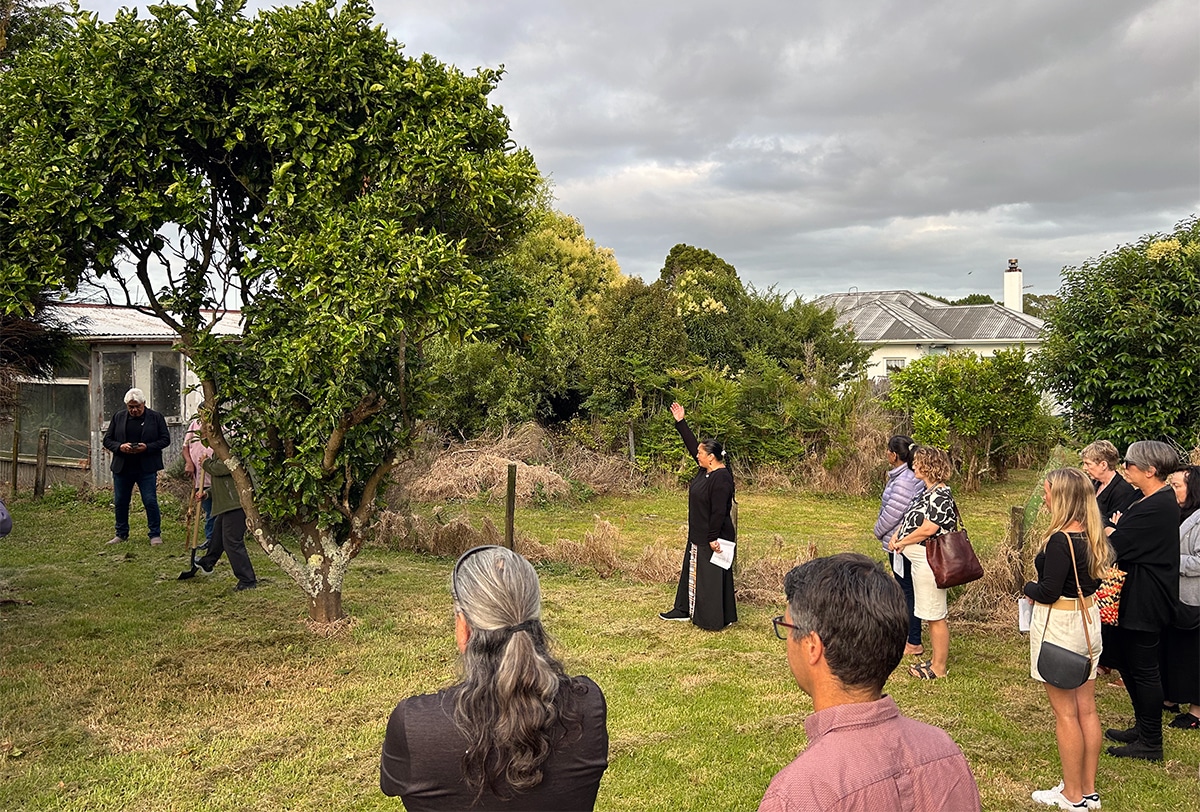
1038 304
635 343
986 411
726 322
357 204
1122 348
488 384
24 23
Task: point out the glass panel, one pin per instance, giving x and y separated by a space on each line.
165 374
62 408
116 377
77 365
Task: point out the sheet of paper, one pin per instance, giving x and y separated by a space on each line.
724 559
1024 613
898 563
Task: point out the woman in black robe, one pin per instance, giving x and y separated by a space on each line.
705 592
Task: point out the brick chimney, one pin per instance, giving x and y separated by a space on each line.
1013 287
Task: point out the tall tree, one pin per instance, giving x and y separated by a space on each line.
984 410
1122 347
355 202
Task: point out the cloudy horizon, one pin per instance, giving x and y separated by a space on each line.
834 145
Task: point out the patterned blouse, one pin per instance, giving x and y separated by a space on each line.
936 505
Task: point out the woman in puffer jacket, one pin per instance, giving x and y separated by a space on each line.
902 486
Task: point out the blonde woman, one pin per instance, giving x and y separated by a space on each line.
930 514
1075 523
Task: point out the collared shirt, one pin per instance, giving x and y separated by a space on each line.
866 756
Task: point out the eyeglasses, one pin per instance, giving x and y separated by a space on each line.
779 625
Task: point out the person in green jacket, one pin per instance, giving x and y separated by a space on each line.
229 530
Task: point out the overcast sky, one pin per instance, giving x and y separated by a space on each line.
829 144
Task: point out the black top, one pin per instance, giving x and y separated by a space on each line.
1146 541
153 433
1116 496
710 498
1056 578
423 750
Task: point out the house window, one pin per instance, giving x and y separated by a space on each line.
891 365
166 376
116 378
60 407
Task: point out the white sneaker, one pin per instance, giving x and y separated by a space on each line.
1054 797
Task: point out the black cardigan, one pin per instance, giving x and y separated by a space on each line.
1116 497
1146 541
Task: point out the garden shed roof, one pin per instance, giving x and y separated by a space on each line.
98 323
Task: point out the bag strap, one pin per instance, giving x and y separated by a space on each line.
1078 598
957 515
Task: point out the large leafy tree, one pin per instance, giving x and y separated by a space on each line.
488 384
1122 347
985 410
353 201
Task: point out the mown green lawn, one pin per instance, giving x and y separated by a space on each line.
122 688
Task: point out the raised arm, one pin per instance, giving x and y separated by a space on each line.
685 432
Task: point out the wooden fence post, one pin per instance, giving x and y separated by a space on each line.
16 454
510 506
1016 540
43 456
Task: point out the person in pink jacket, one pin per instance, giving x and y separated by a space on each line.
195 452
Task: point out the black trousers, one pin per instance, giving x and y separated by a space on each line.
229 533
1143 681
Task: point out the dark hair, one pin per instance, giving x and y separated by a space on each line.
1191 487
856 609
903 447
514 694
713 447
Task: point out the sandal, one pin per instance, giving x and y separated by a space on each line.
1185 721
923 671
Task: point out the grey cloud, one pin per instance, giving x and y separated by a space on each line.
831 143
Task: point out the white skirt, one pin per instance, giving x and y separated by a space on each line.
929 602
1064 629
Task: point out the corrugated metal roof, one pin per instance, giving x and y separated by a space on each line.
901 315
887 321
106 322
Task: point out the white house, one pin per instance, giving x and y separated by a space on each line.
119 348
904 326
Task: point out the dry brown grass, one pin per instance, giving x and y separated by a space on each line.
546 465
418 534
598 550
657 565
761 581
468 472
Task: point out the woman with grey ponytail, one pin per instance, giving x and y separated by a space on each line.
516 732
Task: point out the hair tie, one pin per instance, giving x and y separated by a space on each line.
911 446
526 626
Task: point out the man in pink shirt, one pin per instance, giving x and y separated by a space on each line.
846 625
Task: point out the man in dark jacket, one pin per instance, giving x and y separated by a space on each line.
136 437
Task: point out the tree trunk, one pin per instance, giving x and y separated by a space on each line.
326 606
